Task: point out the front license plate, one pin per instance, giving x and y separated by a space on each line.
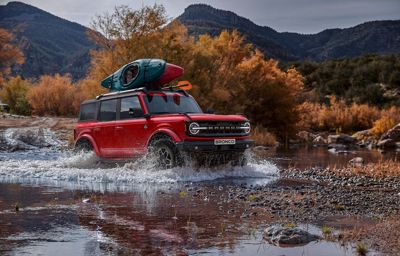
224 142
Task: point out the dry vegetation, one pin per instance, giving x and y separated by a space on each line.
337 115
262 137
382 236
382 169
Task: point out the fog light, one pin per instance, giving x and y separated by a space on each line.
196 148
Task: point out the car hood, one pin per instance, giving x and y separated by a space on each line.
200 117
214 117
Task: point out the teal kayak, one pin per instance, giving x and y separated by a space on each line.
151 73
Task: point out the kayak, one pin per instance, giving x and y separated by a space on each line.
149 73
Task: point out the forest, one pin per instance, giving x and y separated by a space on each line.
280 99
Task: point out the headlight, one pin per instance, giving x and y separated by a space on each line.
247 127
194 128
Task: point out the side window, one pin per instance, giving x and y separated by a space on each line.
88 111
130 108
108 110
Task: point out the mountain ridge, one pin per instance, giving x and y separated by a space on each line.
288 46
55 45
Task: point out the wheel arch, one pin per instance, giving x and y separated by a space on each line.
89 139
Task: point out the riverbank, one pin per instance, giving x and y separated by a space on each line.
361 203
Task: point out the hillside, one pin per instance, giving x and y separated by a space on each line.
50 44
55 45
382 37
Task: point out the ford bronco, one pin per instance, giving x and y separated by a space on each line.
169 124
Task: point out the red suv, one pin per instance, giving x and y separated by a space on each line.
168 124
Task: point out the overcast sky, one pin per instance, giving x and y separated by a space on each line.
303 16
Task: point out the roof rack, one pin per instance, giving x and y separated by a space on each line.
144 89
120 92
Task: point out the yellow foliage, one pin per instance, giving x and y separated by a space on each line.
263 137
9 54
53 95
337 115
382 125
14 94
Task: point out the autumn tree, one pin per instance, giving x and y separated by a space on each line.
127 35
228 75
9 54
14 94
54 95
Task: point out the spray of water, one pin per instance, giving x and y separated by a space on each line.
85 167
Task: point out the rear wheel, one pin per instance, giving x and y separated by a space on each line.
164 152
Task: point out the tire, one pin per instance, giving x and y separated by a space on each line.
83 145
164 152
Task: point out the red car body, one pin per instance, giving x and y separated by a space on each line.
130 133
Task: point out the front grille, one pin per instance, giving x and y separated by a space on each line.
221 128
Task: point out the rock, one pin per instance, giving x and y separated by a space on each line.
305 137
279 235
365 135
386 143
28 138
357 161
337 146
319 140
341 139
393 134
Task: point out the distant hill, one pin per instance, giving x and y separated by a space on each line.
50 44
382 37
55 45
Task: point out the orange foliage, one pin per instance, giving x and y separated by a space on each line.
54 95
9 54
354 117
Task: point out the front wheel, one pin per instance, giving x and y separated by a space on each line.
164 153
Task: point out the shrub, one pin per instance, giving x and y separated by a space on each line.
263 137
14 94
53 95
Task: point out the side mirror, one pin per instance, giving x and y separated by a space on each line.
147 116
210 111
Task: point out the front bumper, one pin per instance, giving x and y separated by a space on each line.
208 146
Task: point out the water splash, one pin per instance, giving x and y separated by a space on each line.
86 168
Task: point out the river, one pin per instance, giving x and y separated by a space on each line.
53 202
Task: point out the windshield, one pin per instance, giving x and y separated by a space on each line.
166 104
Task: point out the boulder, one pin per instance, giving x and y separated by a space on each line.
389 139
319 140
356 161
305 137
279 235
341 139
386 143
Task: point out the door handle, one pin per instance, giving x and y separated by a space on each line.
119 127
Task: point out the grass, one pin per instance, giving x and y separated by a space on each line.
263 138
382 169
383 235
361 249
290 225
340 207
326 231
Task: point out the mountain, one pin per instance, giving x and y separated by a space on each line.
382 37
55 45
50 44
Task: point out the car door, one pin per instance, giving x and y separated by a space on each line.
105 128
131 128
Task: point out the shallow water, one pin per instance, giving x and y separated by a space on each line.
71 204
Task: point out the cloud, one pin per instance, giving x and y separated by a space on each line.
304 16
